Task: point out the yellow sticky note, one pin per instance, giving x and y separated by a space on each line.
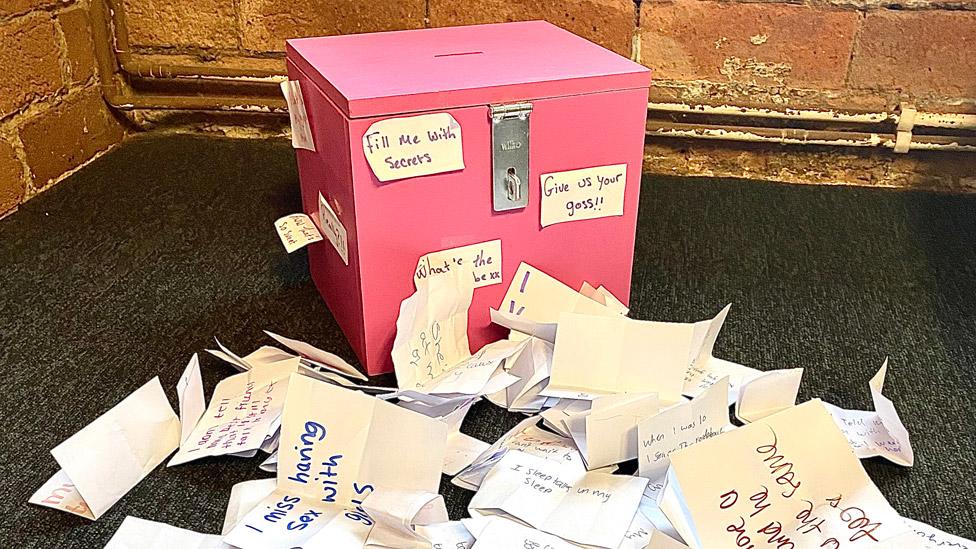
412 146
587 193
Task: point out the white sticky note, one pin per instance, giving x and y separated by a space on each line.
588 193
483 260
301 130
791 474
189 390
137 533
681 426
106 459
412 146
296 231
333 229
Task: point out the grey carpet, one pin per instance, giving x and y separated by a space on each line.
140 259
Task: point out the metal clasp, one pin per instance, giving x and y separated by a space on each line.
510 155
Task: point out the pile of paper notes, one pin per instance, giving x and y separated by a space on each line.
627 440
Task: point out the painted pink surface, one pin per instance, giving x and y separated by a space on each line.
390 225
408 71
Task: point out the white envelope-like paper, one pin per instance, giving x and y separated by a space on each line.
791 476
107 458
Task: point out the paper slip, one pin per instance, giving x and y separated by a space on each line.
461 452
446 535
588 508
244 496
301 131
296 231
790 477
318 357
923 536
604 297
679 427
432 329
189 389
879 433
588 193
633 356
413 146
482 260
396 513
531 367
500 533
699 378
473 375
545 331
338 446
525 437
607 433
638 533
270 465
108 457
136 533
333 229
243 410
555 417
534 295
767 394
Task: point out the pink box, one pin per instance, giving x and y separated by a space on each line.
588 108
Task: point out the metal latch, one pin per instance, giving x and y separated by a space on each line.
510 155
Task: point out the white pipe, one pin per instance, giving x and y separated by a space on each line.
875 140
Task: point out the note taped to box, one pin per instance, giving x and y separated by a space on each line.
484 259
333 229
588 193
412 146
296 231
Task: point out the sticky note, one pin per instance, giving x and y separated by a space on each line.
334 230
412 146
588 193
296 231
483 258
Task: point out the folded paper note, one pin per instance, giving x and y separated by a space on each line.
589 508
878 433
709 372
659 436
607 433
634 356
534 295
432 329
318 357
106 459
193 403
788 480
338 446
301 131
136 533
243 411
767 394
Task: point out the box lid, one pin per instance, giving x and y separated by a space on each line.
431 69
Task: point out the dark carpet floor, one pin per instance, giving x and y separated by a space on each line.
140 259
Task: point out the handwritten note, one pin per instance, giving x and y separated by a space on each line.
591 508
679 427
499 533
333 228
301 131
535 295
788 480
296 231
589 193
607 433
412 146
243 411
432 329
483 260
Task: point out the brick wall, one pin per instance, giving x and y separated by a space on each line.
849 54
52 116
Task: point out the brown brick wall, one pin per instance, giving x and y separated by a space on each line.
52 116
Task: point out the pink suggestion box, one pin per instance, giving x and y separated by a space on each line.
436 139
